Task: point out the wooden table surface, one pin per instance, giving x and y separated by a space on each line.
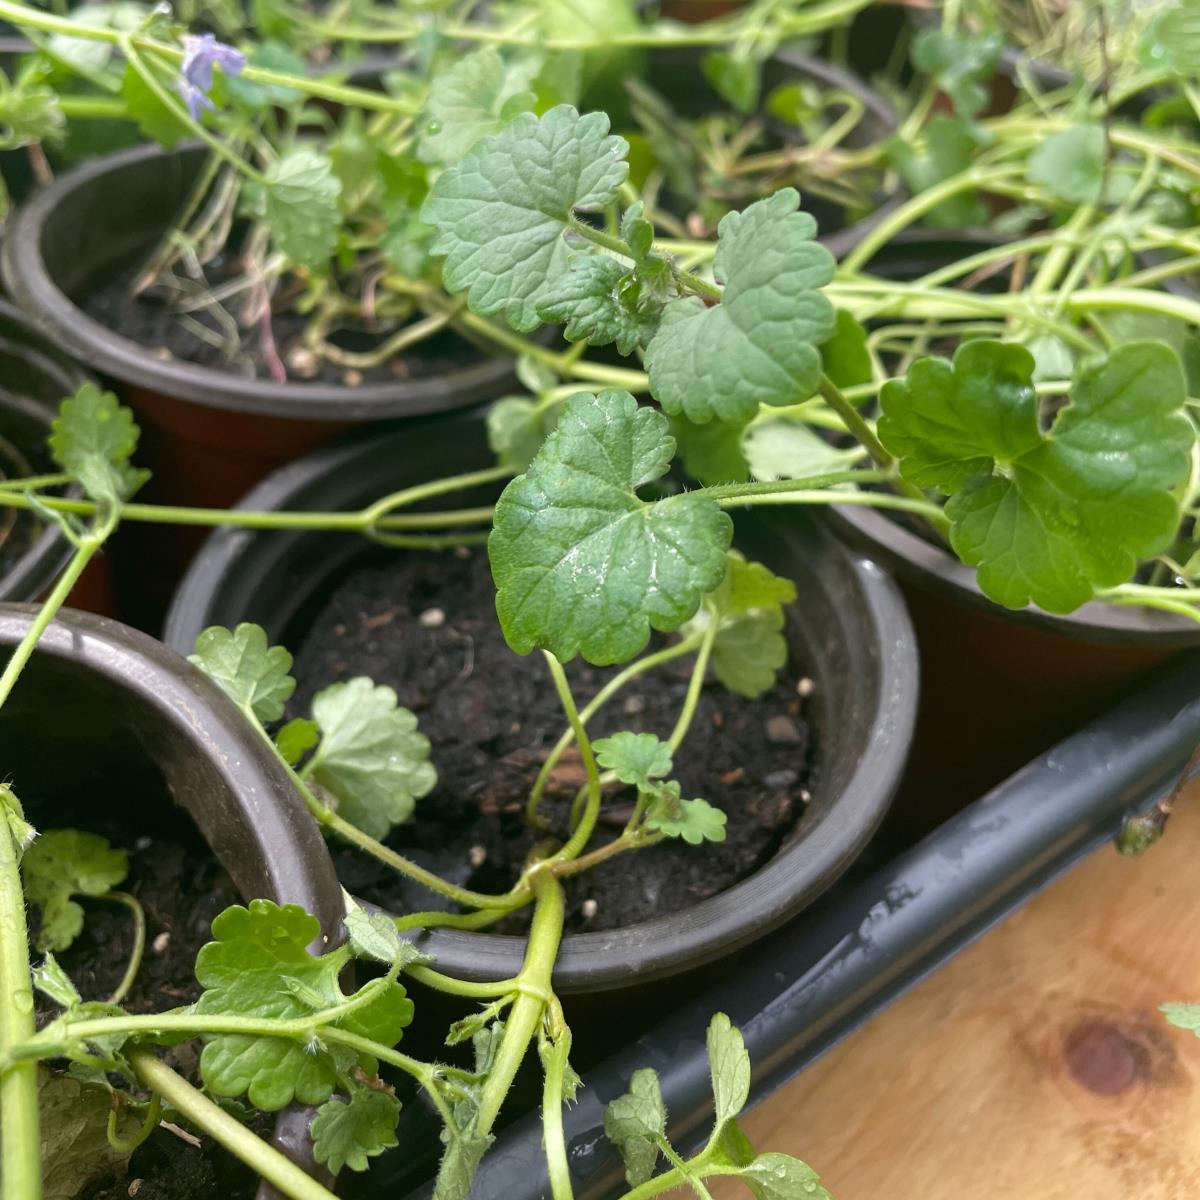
1033 1065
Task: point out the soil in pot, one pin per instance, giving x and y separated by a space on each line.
426 626
181 888
150 319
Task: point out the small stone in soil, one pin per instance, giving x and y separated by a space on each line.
782 731
735 775
805 688
588 909
161 942
478 856
778 780
432 618
143 843
635 705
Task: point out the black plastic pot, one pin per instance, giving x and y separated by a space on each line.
101 706
867 941
35 379
677 75
851 632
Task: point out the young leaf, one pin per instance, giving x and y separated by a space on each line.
472 99
464 1153
760 344
295 739
254 674
750 646
782 1177
373 935
29 113
637 758
581 563
346 1135
729 1066
51 980
695 821
571 1082
1047 518
844 356
63 863
635 1122
784 449
1182 1016
91 439
302 206
259 965
950 145
1175 37
1070 165
596 300
960 63
371 757
516 428
735 77
501 212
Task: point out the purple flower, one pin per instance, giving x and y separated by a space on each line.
200 55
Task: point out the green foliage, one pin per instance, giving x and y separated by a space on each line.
636 1123
373 936
348 1134
29 112
582 563
784 449
473 98
74 1135
154 119
371 758
1048 518
1175 37
1070 165
516 428
960 63
501 212
296 738
749 647
736 76
712 453
52 981
259 964
844 356
92 439
596 299
1182 1016
721 363
250 671
781 1177
729 1067
301 206
63 863
694 821
950 147
635 758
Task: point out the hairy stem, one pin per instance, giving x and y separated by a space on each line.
139 943
552 1121
579 838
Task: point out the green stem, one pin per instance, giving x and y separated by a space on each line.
149 1121
103 108
460 987
924 508
525 1016
630 840
87 547
695 684
736 491
139 943
21 1176
276 1168
593 706
579 838
552 1121
855 422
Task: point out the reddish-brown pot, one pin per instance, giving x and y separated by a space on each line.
998 687
208 434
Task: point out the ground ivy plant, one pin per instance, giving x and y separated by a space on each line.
278 1022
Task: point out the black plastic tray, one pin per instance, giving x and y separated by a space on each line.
866 942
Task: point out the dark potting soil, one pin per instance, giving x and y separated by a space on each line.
181 888
149 320
425 625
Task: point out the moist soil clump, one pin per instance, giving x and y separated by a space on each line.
151 322
425 625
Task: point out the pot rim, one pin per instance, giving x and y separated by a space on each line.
36 569
913 559
674 943
28 279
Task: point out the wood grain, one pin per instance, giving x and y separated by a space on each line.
1033 1065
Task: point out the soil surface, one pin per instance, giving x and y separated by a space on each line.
150 321
425 625
182 888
